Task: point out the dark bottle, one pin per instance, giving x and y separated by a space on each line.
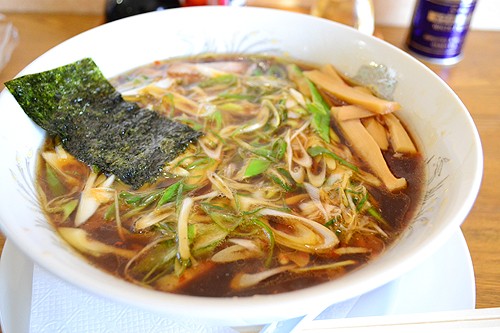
117 9
438 29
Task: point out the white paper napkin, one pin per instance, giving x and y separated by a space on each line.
58 307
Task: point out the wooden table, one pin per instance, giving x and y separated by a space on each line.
476 80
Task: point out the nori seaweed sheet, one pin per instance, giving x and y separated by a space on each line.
78 104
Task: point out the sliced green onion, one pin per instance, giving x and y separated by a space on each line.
228 96
234 107
140 199
320 121
153 262
376 214
180 195
161 263
169 100
68 208
56 187
217 118
317 98
169 194
270 236
256 167
207 236
227 80
199 162
109 215
222 216
281 177
320 112
361 203
318 150
278 149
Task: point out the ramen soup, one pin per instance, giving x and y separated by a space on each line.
298 177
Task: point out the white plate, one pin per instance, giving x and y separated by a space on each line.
445 282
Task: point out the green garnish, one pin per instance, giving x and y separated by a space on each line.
320 112
225 80
317 150
169 194
56 187
256 167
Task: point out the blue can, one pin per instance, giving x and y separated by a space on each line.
438 30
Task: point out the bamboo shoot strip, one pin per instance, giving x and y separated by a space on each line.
350 94
368 149
346 112
400 139
377 131
95 124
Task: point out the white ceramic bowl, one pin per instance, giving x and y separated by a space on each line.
449 139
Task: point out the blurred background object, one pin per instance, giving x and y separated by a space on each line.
117 9
438 30
355 13
8 40
399 13
213 2
396 13
53 6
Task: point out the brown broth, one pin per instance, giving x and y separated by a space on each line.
202 276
